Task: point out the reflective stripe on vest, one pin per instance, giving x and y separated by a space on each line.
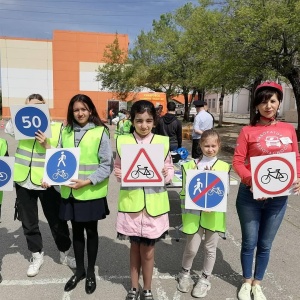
30 157
88 164
3 150
135 199
193 219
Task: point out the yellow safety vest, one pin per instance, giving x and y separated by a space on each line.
192 219
123 127
88 164
3 150
134 199
30 157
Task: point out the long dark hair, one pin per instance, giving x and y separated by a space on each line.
88 103
259 97
141 106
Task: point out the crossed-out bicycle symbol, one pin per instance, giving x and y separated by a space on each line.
60 173
265 179
142 171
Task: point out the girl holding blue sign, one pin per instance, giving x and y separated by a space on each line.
143 211
84 202
260 219
28 173
198 224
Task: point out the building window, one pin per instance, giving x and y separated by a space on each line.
213 105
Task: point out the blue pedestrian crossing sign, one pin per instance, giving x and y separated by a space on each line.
206 190
28 119
6 173
61 165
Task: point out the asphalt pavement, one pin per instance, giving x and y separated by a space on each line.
112 266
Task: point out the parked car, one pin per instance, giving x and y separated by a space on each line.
193 113
179 110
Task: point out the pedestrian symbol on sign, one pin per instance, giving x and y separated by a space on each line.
206 190
61 165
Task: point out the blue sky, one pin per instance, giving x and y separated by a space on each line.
38 18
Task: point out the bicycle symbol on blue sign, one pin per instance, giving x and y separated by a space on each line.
61 166
29 120
5 173
206 190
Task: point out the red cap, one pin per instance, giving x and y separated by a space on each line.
270 84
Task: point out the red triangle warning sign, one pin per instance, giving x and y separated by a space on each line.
140 172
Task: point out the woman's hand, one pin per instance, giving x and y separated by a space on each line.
78 183
297 186
258 199
118 173
42 139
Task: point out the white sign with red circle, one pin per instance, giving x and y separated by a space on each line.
273 175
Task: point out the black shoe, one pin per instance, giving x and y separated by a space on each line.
0 278
71 284
90 285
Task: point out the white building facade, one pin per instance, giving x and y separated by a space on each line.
239 103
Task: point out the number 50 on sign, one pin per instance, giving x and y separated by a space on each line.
28 119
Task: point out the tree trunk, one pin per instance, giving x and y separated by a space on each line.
221 108
256 82
186 105
201 94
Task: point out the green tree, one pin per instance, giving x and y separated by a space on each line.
260 41
163 58
116 74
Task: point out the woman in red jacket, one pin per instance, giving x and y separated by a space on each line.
261 218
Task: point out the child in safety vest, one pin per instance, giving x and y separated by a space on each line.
124 125
3 152
144 220
84 201
200 224
28 173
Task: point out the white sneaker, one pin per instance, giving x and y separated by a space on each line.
183 282
245 292
35 263
67 260
257 292
201 288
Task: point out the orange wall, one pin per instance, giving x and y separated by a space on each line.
69 49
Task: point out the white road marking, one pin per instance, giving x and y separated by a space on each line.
161 294
270 276
66 296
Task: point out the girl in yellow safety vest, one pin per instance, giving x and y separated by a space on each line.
195 223
84 202
143 211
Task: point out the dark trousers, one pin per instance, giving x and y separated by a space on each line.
91 229
196 150
27 206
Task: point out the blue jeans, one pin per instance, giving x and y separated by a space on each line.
259 221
